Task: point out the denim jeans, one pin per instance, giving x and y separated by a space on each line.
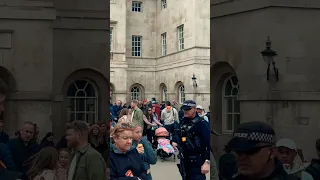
170 129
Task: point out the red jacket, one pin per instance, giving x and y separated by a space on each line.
157 109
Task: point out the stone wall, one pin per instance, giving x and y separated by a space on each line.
290 104
152 69
26 47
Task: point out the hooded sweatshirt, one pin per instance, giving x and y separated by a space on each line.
121 163
169 115
299 171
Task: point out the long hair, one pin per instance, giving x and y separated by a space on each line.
123 112
47 158
96 140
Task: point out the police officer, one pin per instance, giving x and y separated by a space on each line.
193 139
254 146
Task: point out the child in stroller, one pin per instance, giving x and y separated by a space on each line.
164 149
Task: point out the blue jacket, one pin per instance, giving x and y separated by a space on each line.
117 110
120 163
113 114
149 156
6 157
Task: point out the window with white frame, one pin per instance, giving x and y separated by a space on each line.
164 43
135 93
164 4
182 96
136 6
136 46
164 93
83 101
111 38
181 37
231 105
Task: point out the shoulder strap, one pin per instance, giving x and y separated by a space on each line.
196 120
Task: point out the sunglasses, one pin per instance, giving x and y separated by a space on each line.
75 123
149 110
124 126
252 151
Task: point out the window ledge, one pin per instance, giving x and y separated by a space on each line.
226 133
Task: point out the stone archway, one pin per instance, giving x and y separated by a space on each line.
136 88
218 74
8 79
100 83
9 114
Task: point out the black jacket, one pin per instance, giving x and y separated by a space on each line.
62 143
4 137
22 153
314 169
120 163
278 174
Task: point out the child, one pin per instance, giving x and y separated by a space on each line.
43 165
163 143
63 164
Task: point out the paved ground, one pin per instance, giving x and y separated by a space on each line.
166 170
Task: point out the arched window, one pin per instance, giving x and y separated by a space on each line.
135 93
231 105
181 94
164 94
83 99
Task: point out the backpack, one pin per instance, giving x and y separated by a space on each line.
314 170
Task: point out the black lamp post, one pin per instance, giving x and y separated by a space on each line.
268 54
194 79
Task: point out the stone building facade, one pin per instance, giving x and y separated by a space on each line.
239 83
147 56
53 57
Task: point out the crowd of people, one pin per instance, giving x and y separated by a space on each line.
82 153
151 115
142 131
127 146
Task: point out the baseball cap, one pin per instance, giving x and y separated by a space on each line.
188 104
288 143
248 135
200 107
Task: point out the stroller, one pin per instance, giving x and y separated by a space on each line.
164 149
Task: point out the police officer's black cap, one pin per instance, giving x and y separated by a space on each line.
188 104
248 135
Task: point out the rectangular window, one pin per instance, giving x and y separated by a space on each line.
181 37
136 46
164 43
111 39
164 4
136 6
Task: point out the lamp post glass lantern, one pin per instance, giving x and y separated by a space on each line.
268 54
194 79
